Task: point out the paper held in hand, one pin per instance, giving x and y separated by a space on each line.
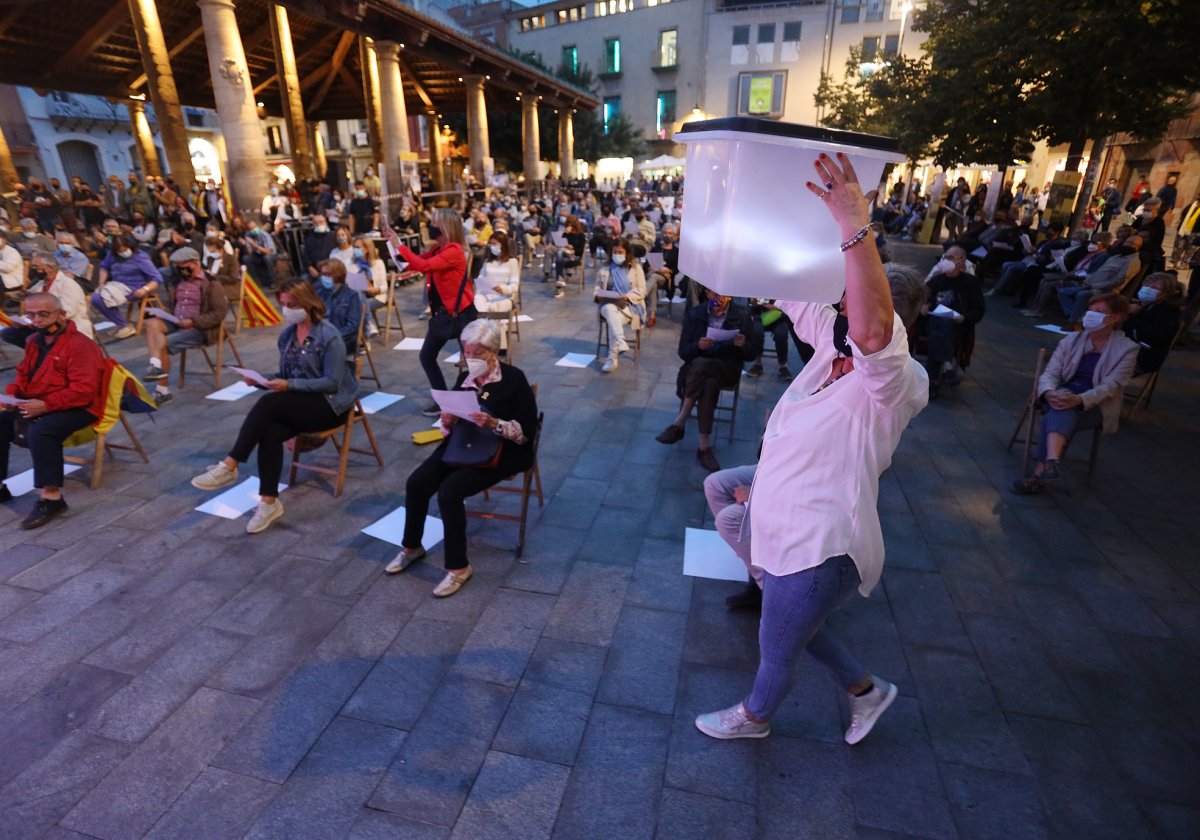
162 313
559 239
357 281
5 399
721 335
943 311
608 294
457 403
253 375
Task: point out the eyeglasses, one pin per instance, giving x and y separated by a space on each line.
40 313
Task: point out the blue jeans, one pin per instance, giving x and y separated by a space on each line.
1066 422
1075 300
794 610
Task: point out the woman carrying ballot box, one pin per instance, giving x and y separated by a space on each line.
621 293
313 391
482 449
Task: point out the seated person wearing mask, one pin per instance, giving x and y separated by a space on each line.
222 266
1154 320
59 379
200 305
569 257
1023 273
780 327
46 277
127 273
624 278
508 410
71 260
709 365
258 253
1078 264
1082 386
31 239
1110 277
498 283
343 305
313 391
950 337
12 266
318 243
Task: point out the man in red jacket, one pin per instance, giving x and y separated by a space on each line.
57 393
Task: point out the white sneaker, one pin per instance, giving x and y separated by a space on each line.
733 722
403 560
610 364
865 710
215 477
264 515
623 347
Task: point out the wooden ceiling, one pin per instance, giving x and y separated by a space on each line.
89 47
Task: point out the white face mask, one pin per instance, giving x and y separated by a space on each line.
495 249
945 266
1093 247
293 315
1093 320
476 368
618 259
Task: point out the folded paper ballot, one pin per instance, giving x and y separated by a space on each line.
721 335
253 375
161 313
461 404
608 294
943 311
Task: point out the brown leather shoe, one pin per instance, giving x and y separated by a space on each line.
707 459
671 434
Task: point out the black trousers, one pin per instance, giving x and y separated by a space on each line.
443 327
453 486
703 382
45 440
275 418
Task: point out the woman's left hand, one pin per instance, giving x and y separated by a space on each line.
277 384
484 421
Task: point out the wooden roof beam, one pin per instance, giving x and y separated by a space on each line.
182 44
106 25
415 81
339 56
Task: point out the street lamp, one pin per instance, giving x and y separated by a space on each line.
904 10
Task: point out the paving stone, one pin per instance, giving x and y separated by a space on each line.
468 603
549 554
910 800
571 666
249 609
289 636
1022 675
63 604
63 565
1174 822
133 712
1115 606
1159 765
590 604
973 582
134 795
923 609
814 709
1081 791
433 773
574 504
703 765
379 825
719 636
1172 674
513 797
615 536
1067 630
371 625
544 723
326 794
217 804
400 684
287 723
17 558
643 663
869 628
804 790
504 637
13 599
64 705
658 581
689 815
988 804
616 783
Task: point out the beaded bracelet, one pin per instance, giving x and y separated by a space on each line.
856 238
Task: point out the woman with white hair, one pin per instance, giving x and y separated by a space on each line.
496 442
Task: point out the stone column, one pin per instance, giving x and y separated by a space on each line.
531 149
393 116
236 111
318 147
370 79
289 91
477 125
566 144
8 172
156 62
144 140
437 170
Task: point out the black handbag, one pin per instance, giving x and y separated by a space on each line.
472 446
465 316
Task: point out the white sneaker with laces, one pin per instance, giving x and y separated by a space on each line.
215 477
733 722
610 364
865 710
124 332
264 516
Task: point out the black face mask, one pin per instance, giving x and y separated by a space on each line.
1127 250
841 329
435 232
188 225
50 330
36 275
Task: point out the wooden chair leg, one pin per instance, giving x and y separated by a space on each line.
342 461
217 367
233 349
371 439
524 512
1096 435
292 472
137 444
98 461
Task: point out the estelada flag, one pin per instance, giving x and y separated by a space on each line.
256 309
5 321
122 392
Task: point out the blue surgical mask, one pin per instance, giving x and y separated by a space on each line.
358 253
326 282
1146 295
64 248
1093 320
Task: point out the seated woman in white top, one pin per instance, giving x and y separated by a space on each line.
342 252
368 263
498 283
621 293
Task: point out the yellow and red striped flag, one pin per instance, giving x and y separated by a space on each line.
5 321
256 309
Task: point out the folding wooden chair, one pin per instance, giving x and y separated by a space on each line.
602 338
214 367
1028 421
1143 395
99 432
525 483
390 311
365 346
143 303
343 446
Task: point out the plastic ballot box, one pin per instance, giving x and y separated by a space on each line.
751 229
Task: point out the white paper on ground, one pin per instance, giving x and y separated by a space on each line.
100 326
452 358
379 401
943 311
391 529
722 335
576 360
524 318
410 344
706 555
22 483
1054 328
236 501
458 403
253 375
678 299
233 392
161 313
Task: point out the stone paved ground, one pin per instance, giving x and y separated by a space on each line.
164 675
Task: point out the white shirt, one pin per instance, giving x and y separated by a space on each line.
498 280
344 256
12 268
74 302
816 490
144 233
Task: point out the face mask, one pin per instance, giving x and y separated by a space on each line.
28 234
495 249
64 248
53 328
1127 250
326 282
36 275
124 254
1093 320
618 259
293 315
321 228
189 225
1093 247
476 367
360 193
358 253
435 232
1147 295
343 242
945 266
274 191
